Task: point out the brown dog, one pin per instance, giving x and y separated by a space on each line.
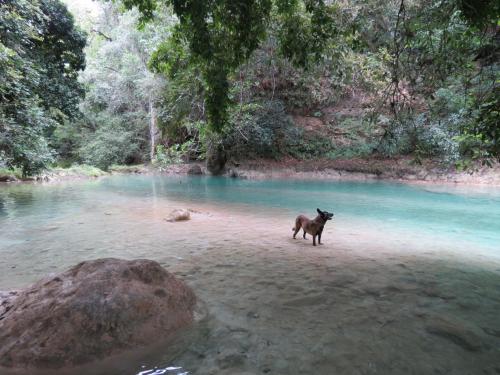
313 227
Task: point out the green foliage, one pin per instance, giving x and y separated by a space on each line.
437 84
359 139
77 170
221 35
480 13
8 172
480 138
430 68
41 52
304 28
121 95
110 144
426 60
312 147
307 55
166 156
258 130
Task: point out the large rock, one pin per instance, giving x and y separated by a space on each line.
95 309
216 159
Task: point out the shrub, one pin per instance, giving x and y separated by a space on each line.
174 154
423 137
112 143
259 130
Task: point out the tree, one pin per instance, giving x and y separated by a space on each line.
41 52
119 122
221 35
445 54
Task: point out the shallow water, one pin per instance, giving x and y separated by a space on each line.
396 258
454 213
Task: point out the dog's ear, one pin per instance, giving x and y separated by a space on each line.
319 211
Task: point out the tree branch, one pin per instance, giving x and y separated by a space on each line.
109 39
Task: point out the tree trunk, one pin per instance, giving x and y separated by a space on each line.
153 129
216 159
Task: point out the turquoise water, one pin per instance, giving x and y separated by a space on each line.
471 214
460 214
276 305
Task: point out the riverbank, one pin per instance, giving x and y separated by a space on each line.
400 169
396 169
75 172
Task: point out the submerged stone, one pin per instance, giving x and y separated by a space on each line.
457 332
179 215
95 309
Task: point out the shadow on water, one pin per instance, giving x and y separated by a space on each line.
151 360
344 316
357 315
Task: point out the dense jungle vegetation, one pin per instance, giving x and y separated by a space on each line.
176 80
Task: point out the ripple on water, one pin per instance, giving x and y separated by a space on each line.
170 370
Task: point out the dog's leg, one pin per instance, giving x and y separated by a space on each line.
304 234
319 235
297 228
314 240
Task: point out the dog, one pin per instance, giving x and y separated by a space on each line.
313 227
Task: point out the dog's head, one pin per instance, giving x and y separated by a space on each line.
325 215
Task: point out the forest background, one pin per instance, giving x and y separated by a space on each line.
171 82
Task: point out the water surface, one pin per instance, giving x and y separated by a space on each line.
450 213
396 258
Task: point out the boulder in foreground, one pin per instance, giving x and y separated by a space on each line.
95 309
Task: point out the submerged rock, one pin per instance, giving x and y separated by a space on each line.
195 170
178 215
457 332
95 309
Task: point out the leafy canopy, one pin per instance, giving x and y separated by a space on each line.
217 36
41 53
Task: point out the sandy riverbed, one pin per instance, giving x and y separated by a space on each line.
362 303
